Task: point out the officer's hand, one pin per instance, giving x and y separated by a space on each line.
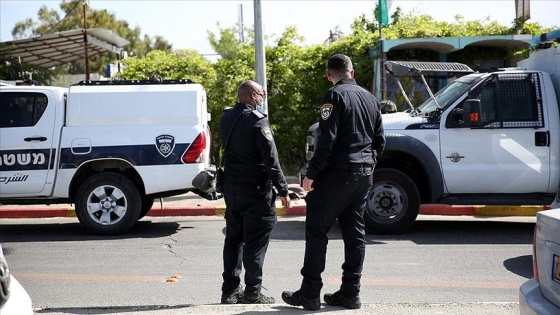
285 203
307 183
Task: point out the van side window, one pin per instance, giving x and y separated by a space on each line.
510 100
21 109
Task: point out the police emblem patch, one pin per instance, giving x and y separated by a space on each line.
326 111
267 132
165 144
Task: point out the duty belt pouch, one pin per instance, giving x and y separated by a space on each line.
219 179
205 181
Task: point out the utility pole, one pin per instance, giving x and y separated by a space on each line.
86 54
260 59
382 57
240 28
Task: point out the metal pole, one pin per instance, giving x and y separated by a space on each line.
240 27
86 55
118 63
260 59
382 58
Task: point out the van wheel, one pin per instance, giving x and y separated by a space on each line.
108 203
392 204
147 204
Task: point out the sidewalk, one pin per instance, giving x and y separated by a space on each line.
191 204
403 308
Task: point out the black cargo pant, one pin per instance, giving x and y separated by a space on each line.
250 217
341 195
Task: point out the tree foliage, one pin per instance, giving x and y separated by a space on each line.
50 21
158 64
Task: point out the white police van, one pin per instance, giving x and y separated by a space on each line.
109 147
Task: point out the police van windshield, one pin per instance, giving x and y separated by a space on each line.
447 95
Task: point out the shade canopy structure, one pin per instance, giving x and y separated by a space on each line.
427 69
62 47
446 45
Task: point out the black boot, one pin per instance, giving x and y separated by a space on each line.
296 299
340 299
232 297
259 299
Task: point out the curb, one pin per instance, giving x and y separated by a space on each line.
498 211
21 212
35 212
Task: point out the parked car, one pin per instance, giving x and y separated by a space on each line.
541 294
14 300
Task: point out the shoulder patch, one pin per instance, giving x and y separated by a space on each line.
258 114
267 132
326 111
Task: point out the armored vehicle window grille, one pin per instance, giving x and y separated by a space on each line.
510 100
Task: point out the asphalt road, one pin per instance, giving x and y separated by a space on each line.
442 265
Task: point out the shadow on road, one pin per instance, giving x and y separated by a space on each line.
465 232
74 231
421 232
430 232
521 266
238 309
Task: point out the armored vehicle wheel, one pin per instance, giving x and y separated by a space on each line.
393 202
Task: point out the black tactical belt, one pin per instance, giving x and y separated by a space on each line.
352 167
244 180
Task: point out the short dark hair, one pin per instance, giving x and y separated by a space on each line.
339 65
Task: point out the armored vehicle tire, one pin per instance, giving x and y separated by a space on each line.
392 204
108 203
147 203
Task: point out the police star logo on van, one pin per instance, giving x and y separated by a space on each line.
165 144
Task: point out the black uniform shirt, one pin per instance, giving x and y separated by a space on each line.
251 151
350 126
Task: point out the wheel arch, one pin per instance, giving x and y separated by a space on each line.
93 167
414 158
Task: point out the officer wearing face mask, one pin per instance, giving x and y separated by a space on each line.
251 170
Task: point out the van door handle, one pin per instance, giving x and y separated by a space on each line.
29 139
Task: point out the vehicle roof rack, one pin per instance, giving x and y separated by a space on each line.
427 69
134 82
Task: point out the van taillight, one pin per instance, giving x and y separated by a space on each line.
195 153
535 266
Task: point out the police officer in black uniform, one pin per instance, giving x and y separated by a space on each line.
338 179
251 169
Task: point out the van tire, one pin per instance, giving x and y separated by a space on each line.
147 204
108 203
392 204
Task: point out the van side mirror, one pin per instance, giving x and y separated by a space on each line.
471 113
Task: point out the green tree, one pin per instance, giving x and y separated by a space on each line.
226 43
158 64
50 21
296 81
